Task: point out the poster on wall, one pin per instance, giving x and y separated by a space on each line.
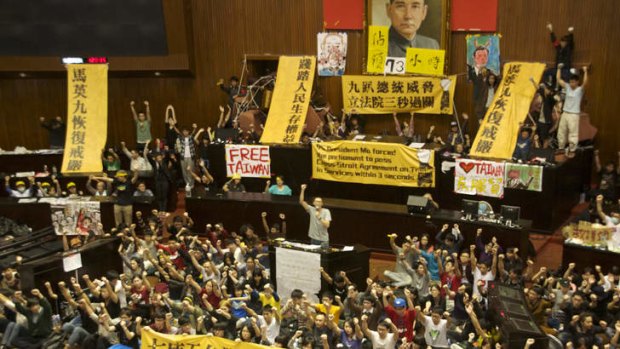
483 53
75 216
524 177
248 160
410 23
332 53
476 177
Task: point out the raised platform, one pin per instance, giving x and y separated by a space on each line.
353 222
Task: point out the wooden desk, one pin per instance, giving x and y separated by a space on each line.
353 222
584 256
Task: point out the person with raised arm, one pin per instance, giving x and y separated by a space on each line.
320 219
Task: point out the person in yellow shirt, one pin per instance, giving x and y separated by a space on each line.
327 307
268 297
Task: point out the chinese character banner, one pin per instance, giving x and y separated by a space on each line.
87 118
291 97
387 94
497 135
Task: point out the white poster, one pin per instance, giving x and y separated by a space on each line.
476 177
72 262
332 53
298 270
248 160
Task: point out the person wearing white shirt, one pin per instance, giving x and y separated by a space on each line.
386 335
568 130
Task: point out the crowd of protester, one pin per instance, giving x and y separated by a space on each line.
181 279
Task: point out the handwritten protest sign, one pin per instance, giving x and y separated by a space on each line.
425 61
475 177
248 160
377 48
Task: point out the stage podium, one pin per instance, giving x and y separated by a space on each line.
296 265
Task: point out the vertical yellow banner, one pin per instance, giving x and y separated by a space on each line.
497 135
87 118
425 61
377 48
291 97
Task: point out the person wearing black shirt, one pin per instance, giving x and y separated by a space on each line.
56 129
163 177
123 191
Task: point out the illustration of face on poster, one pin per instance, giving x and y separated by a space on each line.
332 53
524 177
483 52
413 23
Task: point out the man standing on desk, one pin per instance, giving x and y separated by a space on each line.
406 17
320 218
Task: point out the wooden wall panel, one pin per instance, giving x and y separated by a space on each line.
223 31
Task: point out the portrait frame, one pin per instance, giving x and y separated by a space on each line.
436 24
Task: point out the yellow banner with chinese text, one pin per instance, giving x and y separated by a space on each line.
87 118
497 135
377 48
425 61
386 94
291 97
152 339
373 163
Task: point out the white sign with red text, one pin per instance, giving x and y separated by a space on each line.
248 160
475 177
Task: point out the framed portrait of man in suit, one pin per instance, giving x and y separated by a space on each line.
412 23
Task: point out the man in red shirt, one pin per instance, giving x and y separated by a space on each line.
402 314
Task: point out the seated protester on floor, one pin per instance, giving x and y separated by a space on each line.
426 251
420 277
20 190
248 235
608 177
279 188
435 326
337 284
180 225
234 184
449 239
101 188
386 335
401 313
399 276
483 272
142 191
277 230
38 313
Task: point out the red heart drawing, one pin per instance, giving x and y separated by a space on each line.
467 166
